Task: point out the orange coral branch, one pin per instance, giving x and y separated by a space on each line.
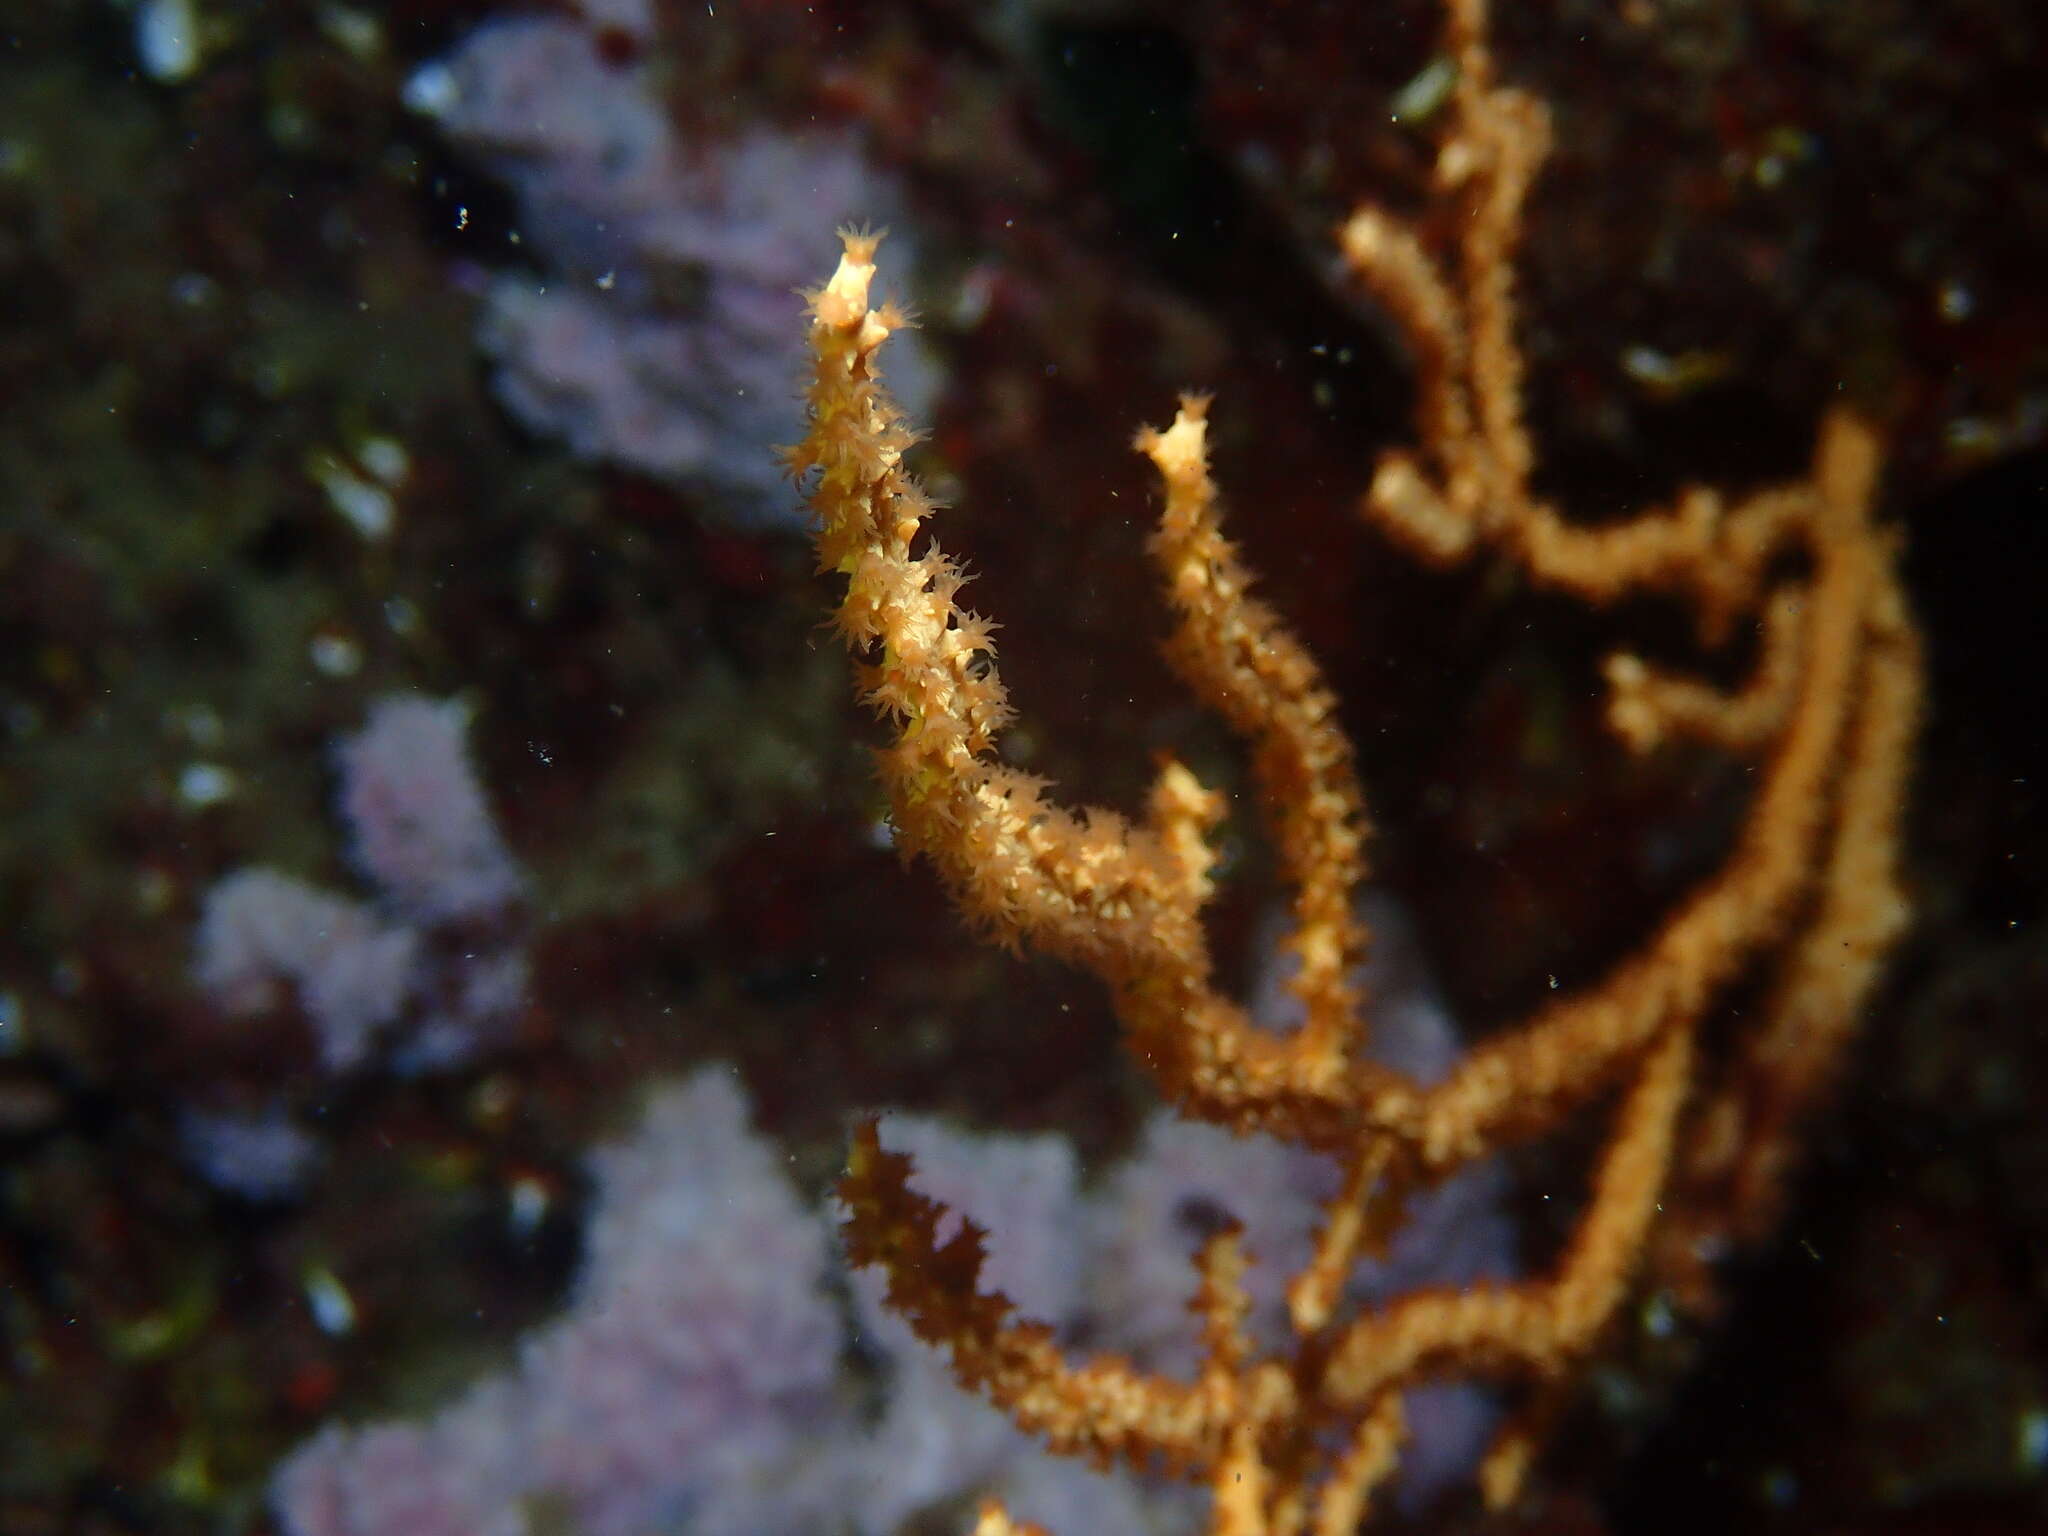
1103 1408
1297 1442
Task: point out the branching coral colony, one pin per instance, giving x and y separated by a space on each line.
1692 1155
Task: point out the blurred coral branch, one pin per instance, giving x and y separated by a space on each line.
1298 1442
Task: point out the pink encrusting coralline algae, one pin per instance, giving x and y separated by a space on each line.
658 328
696 1358
371 973
426 973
